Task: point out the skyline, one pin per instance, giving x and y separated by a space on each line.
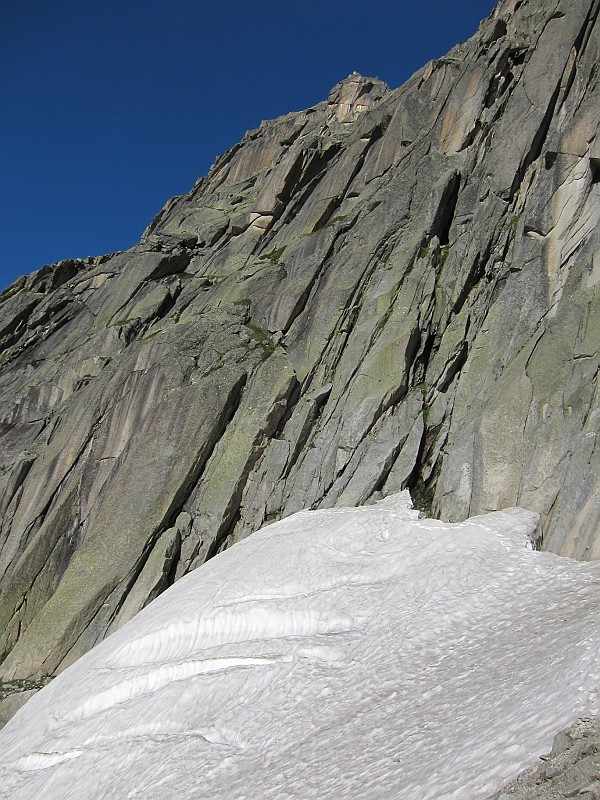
114 108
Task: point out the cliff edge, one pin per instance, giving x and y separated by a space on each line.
392 289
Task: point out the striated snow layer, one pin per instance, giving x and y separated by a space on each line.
348 653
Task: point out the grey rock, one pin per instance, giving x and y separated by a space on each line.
571 769
392 289
14 694
12 703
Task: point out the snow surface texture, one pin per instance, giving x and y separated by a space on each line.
347 653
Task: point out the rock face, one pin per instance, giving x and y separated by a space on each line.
390 289
571 769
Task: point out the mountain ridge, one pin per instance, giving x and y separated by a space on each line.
391 289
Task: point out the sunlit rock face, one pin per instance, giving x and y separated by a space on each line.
353 96
390 289
339 653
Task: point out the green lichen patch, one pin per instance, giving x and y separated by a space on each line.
513 223
424 250
18 685
273 255
262 339
441 255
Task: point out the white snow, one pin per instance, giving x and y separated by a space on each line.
346 653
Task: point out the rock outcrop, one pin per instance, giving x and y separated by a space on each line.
390 289
571 769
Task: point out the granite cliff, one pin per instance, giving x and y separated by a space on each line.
392 289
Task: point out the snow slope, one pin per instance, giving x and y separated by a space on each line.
347 653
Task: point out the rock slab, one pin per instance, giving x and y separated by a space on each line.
391 289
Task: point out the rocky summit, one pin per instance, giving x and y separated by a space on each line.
392 289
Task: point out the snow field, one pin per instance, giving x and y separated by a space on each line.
345 653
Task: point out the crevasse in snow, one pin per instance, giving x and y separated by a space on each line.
344 653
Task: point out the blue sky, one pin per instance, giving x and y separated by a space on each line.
111 107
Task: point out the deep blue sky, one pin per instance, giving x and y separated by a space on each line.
110 107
